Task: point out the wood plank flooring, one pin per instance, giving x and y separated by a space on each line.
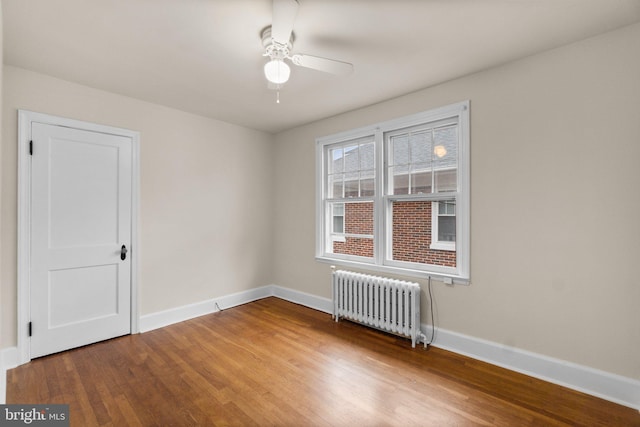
275 363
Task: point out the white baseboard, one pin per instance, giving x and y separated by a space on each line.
303 298
149 322
622 390
8 360
160 319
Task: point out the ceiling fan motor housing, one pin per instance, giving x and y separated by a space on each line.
273 49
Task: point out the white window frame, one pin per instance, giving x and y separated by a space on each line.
381 261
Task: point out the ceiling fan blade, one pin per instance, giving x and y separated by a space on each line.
284 15
322 64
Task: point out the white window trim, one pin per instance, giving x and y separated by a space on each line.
380 263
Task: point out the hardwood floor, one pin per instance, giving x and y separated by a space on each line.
275 363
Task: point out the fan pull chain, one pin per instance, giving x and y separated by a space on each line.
278 97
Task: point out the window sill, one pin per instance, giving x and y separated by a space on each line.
443 246
443 277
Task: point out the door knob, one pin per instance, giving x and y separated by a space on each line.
123 252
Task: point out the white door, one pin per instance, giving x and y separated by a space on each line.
80 287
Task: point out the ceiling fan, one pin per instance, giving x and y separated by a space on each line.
277 40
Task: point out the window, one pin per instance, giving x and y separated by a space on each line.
394 196
443 226
338 218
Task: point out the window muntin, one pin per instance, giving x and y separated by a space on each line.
412 176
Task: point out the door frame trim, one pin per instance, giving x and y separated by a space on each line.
25 119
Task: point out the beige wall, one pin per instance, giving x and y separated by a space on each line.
555 205
206 211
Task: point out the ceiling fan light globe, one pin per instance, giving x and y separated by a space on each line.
276 71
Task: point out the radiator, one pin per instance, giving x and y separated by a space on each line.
386 304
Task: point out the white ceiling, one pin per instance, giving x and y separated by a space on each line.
204 56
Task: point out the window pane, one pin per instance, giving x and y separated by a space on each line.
420 179
367 156
336 184
420 146
412 235
446 180
358 227
351 184
445 148
400 150
335 160
447 208
351 158
367 185
337 217
338 224
399 177
447 228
